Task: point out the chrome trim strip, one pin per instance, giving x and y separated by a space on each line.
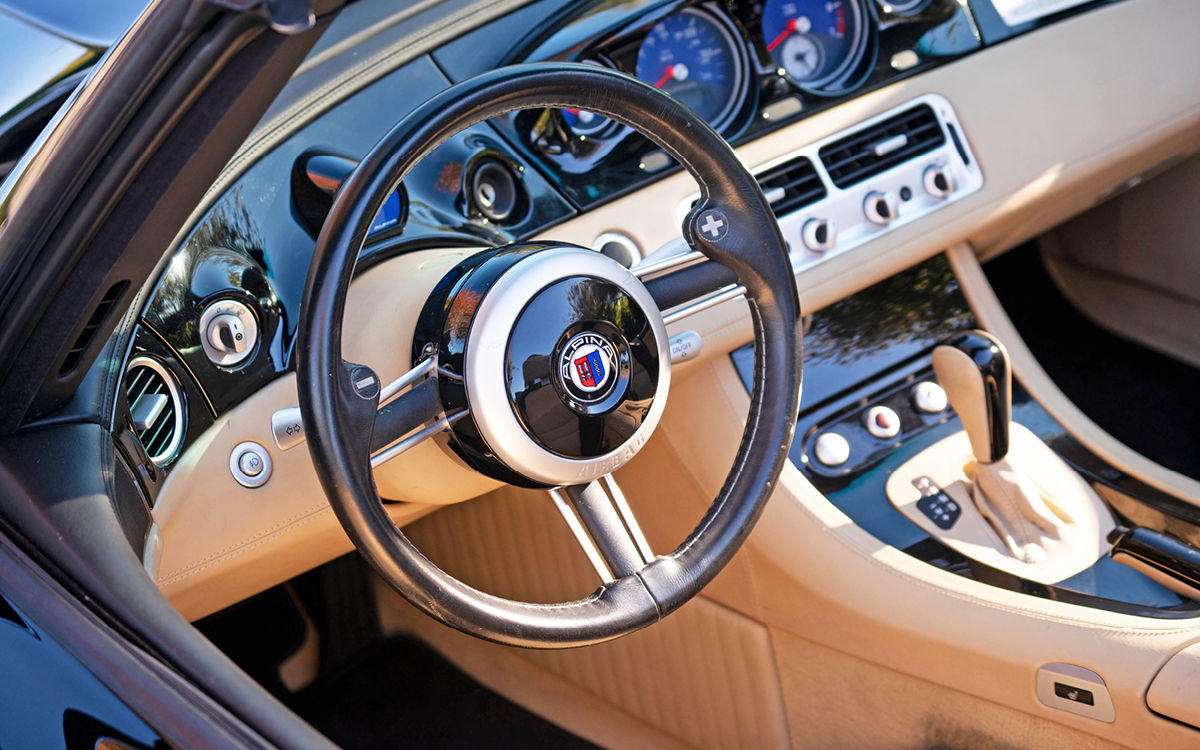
626 513
443 423
667 264
412 376
581 537
722 295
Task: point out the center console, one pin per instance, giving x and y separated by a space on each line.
873 404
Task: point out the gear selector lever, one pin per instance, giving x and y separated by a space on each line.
973 369
1021 508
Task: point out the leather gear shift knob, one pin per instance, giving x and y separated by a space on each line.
973 369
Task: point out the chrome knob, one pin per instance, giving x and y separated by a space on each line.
819 235
938 181
881 208
227 334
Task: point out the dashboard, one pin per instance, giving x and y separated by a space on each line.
746 67
564 175
749 68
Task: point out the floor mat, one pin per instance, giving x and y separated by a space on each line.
1147 400
402 694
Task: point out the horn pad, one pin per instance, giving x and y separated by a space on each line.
559 353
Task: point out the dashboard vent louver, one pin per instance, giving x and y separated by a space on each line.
881 146
84 339
156 407
792 186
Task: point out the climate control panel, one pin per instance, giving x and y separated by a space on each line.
842 191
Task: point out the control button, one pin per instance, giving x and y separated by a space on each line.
882 422
938 181
881 208
618 247
832 449
250 464
936 504
685 346
287 428
819 235
1076 690
228 332
929 397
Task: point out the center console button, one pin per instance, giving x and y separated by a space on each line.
929 397
881 209
819 235
832 449
882 422
250 464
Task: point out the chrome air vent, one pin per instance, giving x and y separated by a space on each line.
156 405
911 160
878 148
792 186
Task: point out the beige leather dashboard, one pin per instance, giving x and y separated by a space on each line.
1055 118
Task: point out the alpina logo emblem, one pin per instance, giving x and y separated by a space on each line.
586 365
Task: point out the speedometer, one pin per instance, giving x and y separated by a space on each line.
817 43
693 56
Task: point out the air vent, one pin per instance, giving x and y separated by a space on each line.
84 339
157 408
792 186
880 147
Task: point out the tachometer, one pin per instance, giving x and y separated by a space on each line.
692 56
817 43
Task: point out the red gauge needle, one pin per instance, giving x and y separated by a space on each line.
787 31
668 75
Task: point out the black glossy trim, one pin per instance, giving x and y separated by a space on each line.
1171 557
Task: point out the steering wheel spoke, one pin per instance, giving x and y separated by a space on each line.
411 413
609 534
562 359
685 284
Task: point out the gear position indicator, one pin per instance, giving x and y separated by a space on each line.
936 504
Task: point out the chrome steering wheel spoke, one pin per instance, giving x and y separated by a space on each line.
609 533
688 283
410 413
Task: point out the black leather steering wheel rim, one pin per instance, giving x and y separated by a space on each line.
753 248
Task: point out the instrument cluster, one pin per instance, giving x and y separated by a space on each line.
744 66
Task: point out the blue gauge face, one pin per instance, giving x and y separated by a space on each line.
587 124
692 57
814 41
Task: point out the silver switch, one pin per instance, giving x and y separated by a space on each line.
819 235
685 346
929 397
227 334
881 208
938 181
287 428
832 449
250 464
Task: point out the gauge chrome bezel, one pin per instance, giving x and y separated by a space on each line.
740 65
830 83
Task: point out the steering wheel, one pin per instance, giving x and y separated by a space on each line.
550 364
